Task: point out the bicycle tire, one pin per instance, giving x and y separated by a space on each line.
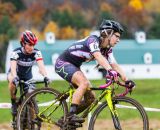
27 116
117 100
31 111
63 106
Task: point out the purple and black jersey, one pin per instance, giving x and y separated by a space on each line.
82 50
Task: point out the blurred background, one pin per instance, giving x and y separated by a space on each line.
70 19
58 23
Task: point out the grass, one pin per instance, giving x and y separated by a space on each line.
146 92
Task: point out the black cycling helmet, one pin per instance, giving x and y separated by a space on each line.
110 24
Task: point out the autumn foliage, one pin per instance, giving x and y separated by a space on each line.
75 19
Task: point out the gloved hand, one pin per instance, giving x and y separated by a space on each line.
130 84
16 81
113 74
47 80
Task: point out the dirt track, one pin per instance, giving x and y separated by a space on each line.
154 125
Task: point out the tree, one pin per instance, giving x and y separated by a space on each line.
17 3
136 4
134 18
7 9
152 6
52 27
154 31
83 33
7 31
67 33
79 21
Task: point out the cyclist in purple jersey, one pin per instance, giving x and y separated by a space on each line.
21 62
91 48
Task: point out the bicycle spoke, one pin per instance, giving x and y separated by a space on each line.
47 111
129 117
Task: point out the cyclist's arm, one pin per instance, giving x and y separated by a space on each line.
13 64
40 63
41 67
113 63
117 68
101 60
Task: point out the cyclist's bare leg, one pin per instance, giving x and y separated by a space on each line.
11 86
83 84
83 89
87 100
12 93
89 97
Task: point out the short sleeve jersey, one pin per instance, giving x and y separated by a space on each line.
25 62
82 50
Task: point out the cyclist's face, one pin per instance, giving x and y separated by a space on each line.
110 41
29 48
115 38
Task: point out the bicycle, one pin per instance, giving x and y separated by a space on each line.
29 107
56 109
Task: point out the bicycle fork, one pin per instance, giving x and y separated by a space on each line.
113 110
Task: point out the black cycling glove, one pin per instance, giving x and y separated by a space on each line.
47 80
130 84
16 81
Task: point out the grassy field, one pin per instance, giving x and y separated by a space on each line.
146 92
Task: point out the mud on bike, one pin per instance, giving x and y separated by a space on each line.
30 108
111 111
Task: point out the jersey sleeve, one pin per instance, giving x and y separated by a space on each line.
38 56
14 56
93 44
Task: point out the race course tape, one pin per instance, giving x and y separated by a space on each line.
8 105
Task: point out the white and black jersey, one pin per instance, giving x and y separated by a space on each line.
25 62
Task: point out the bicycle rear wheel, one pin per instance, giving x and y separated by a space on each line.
27 116
31 111
131 116
42 109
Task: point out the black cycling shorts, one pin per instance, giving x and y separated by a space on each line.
25 78
65 69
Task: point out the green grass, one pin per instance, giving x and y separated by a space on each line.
146 92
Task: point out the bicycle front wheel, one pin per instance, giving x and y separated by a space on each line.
42 110
130 116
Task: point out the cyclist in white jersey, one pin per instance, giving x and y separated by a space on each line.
21 62
91 48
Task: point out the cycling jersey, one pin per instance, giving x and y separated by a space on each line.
25 62
82 50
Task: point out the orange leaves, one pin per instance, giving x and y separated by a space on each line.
52 27
67 33
136 4
6 9
105 7
34 14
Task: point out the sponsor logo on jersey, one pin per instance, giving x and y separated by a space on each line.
23 63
